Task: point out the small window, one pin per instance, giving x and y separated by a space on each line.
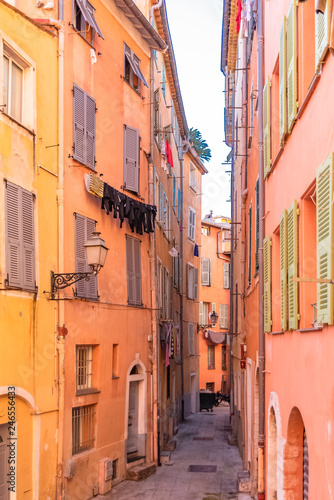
132 72
84 20
192 282
210 386
114 469
211 357
84 229
84 110
206 272
191 346
131 159
133 269
205 230
192 177
84 367
83 423
115 361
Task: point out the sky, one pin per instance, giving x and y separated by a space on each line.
195 27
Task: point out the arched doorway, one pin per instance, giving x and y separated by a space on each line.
272 456
296 458
3 462
136 402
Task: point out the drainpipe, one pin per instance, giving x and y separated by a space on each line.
231 291
260 71
153 261
60 340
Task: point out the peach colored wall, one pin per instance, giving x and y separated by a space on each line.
218 294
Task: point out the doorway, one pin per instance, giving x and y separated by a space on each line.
132 442
135 412
3 462
193 392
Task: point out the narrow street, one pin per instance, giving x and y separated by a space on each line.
201 440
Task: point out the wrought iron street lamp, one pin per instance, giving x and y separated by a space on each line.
213 318
96 253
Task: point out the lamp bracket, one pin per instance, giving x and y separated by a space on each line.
60 281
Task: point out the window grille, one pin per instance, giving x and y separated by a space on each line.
84 367
83 421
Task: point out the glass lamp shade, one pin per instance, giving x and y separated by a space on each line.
96 252
213 318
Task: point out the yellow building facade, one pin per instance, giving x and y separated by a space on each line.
28 250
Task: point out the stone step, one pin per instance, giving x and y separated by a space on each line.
140 472
165 457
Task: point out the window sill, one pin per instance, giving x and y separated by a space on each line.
75 31
114 378
313 329
129 84
83 392
18 123
87 299
276 333
91 169
137 306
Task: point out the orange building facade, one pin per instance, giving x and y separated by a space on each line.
214 296
280 104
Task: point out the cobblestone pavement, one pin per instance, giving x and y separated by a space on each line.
174 481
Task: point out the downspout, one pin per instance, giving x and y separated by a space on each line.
231 292
153 261
60 340
260 70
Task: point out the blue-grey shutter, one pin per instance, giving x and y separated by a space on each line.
13 240
131 159
130 272
90 131
174 192
79 143
137 269
179 204
91 285
84 228
28 243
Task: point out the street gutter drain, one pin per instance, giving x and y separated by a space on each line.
202 439
202 468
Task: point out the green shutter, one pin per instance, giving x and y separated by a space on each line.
266 129
250 246
267 284
292 266
324 240
283 268
257 225
282 81
291 63
322 31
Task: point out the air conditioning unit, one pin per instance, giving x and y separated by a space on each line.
108 470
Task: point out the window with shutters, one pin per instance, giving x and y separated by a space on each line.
157 118
206 230
224 316
84 20
83 425
266 129
203 313
324 240
191 346
133 270
206 272
18 85
257 225
84 229
132 72
155 186
306 44
192 224
211 357
267 283
226 277
131 159
176 272
291 64
283 269
84 109
250 245
192 282
20 237
274 112
322 34
293 315
192 177
163 81
282 83
174 193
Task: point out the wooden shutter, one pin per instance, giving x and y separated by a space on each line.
131 159
257 226
267 284
190 282
179 204
161 203
84 228
291 63
79 140
283 269
250 246
266 129
213 306
90 131
28 243
206 271
223 316
133 268
174 193
195 272
322 31
292 266
191 339
324 240
211 357
154 186
282 81
176 271
226 278
200 317
13 235
191 227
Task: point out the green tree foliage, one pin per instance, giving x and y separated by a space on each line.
200 145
